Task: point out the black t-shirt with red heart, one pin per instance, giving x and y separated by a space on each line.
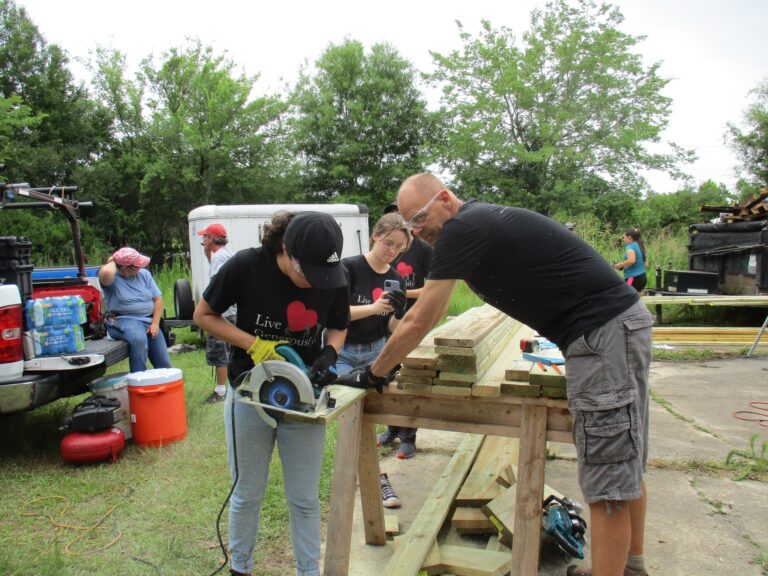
365 287
272 307
414 265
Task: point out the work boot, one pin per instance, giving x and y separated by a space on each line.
574 570
407 449
388 497
386 438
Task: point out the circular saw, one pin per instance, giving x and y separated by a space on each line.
276 388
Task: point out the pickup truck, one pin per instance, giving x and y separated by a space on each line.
45 379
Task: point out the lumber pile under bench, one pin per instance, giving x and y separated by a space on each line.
478 354
476 495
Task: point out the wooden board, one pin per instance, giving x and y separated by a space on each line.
549 376
469 328
518 370
480 487
520 389
421 535
471 521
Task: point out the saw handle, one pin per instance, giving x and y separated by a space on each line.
291 356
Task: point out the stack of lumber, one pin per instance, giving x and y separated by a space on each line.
474 499
534 379
755 208
478 354
705 335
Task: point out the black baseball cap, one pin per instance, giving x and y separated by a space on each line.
315 240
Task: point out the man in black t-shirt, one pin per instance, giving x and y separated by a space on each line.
537 271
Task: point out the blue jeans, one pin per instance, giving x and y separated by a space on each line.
141 345
300 446
353 356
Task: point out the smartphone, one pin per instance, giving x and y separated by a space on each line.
391 285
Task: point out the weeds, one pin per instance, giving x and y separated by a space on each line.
749 464
669 408
761 559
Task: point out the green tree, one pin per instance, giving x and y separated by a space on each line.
559 120
360 124
187 133
751 143
71 126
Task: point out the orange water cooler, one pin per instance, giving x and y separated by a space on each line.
158 412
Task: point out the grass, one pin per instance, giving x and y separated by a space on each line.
153 511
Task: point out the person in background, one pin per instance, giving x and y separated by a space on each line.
633 264
374 312
135 308
290 290
413 266
527 266
217 351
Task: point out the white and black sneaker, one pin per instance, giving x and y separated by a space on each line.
388 496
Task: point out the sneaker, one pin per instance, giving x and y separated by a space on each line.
407 450
214 398
234 572
574 570
386 438
388 496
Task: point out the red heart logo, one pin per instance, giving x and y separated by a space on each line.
299 317
404 269
376 293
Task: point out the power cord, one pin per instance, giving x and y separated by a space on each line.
234 482
759 413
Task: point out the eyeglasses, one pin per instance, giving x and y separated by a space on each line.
130 268
420 216
389 245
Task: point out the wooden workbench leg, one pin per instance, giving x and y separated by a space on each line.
530 491
370 488
339 538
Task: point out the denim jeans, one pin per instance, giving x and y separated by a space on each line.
352 355
300 446
141 345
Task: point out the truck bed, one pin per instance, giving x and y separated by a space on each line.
37 388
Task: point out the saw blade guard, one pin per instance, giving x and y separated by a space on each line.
275 387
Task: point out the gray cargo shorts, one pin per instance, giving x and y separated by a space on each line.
217 351
608 398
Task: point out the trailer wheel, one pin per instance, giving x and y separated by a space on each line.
182 299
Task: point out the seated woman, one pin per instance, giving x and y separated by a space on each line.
135 308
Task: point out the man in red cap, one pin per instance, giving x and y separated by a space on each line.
217 351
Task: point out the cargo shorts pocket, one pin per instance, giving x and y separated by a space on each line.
606 436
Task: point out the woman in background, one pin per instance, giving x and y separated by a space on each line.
633 264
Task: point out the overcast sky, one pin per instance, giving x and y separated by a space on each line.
714 51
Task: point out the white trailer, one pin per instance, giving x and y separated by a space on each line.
244 225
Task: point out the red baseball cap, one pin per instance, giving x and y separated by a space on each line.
215 230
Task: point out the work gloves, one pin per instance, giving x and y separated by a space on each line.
263 350
323 370
398 301
363 378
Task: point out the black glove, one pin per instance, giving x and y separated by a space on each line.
363 378
398 301
323 370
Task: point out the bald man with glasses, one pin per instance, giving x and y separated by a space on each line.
535 270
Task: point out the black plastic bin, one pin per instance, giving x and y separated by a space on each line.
12 272
15 248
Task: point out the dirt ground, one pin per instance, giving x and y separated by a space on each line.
699 522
